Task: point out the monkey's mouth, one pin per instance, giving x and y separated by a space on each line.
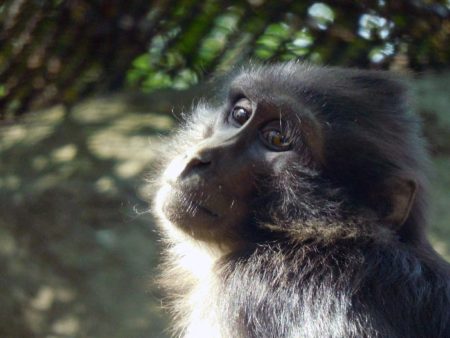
206 210
182 206
198 207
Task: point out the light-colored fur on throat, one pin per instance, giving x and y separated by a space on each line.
195 289
188 277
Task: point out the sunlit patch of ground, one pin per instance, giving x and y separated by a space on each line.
77 248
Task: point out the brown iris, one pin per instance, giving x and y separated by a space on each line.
276 140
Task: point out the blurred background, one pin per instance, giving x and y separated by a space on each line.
87 88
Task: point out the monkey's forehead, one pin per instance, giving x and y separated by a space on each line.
269 80
290 88
301 78
333 92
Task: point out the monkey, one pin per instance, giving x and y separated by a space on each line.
295 205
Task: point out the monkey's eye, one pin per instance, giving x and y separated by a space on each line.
276 140
240 115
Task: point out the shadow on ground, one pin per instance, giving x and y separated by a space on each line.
77 248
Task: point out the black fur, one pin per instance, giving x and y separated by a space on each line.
317 256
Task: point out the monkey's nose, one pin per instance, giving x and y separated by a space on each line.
197 162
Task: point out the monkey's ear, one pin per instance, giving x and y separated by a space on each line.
402 192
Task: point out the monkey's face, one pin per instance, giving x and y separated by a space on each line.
223 181
291 148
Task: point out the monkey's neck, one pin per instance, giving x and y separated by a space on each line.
202 281
190 280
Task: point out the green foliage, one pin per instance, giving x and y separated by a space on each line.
321 14
217 36
301 42
57 51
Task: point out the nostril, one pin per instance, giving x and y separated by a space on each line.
196 162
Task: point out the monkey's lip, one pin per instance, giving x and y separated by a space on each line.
180 201
205 209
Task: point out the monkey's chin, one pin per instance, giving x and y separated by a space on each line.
189 215
185 213
219 221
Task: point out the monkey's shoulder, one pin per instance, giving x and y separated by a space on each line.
367 290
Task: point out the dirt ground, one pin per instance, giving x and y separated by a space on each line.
78 249
77 244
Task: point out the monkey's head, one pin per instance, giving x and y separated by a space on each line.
293 148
